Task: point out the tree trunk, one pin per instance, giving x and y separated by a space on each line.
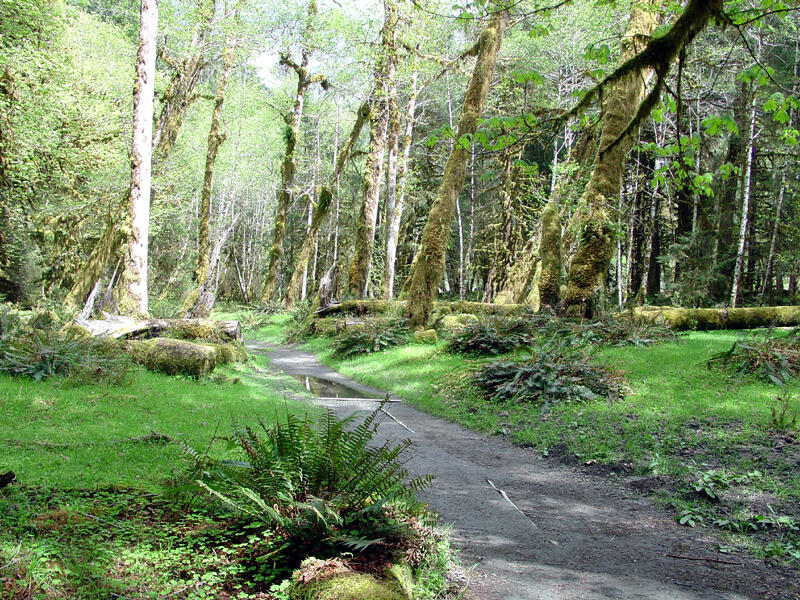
385 69
132 287
288 166
636 245
429 263
550 252
197 304
653 286
620 106
393 218
745 220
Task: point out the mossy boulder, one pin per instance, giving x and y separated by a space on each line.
425 336
174 357
348 586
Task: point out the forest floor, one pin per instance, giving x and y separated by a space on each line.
579 526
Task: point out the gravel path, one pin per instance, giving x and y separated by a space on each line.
568 535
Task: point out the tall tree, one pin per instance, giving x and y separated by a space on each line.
132 290
429 262
385 72
288 167
200 301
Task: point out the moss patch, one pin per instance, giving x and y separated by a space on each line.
348 586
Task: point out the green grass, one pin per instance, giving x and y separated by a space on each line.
678 421
59 436
90 515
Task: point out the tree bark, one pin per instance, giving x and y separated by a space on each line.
429 262
550 252
132 291
591 261
385 69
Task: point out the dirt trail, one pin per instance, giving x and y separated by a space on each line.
571 535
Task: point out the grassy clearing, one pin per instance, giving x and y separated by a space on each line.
705 443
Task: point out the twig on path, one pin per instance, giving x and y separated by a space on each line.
715 560
507 499
396 420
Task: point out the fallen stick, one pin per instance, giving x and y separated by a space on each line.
715 560
507 499
396 420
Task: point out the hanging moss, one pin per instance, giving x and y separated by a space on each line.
620 103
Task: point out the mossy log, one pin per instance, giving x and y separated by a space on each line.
174 357
188 329
374 307
701 319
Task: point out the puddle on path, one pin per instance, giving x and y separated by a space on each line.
325 388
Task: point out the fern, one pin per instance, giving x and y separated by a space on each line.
320 482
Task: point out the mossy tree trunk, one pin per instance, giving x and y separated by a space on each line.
394 216
429 262
288 166
132 290
550 253
322 208
620 103
198 303
385 70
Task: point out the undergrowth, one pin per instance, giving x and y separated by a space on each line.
770 358
375 336
492 336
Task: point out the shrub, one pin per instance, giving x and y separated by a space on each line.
10 323
40 354
373 337
555 373
771 359
320 483
492 335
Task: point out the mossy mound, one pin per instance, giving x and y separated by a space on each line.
174 357
348 586
327 326
449 325
425 336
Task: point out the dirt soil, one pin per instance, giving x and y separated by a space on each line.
570 534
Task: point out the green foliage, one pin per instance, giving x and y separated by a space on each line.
372 337
554 373
320 482
492 336
40 354
769 358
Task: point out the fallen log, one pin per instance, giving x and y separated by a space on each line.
703 319
118 327
372 307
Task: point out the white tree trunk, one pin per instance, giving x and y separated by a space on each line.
745 221
135 271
